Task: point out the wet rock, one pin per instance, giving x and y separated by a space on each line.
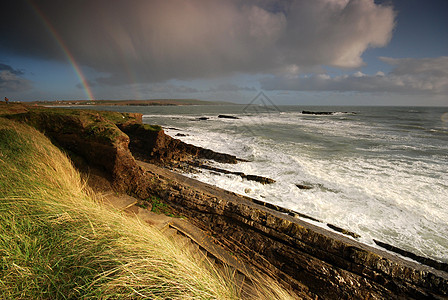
227 117
307 112
242 160
304 187
181 134
202 118
343 231
260 179
425 260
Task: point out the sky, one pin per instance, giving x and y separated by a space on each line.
299 52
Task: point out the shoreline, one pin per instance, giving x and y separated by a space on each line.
327 227
152 102
268 237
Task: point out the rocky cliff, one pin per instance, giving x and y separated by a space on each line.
309 258
151 143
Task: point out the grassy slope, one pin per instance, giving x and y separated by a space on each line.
57 242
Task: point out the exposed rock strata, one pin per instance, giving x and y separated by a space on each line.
330 265
307 257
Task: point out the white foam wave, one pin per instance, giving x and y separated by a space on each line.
378 189
396 202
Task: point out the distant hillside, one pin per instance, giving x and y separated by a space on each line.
162 102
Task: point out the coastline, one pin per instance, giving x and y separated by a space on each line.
152 102
306 257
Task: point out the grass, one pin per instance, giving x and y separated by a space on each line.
58 242
159 207
67 121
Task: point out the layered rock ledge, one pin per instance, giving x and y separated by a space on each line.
315 262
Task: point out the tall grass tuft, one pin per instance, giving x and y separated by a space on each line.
57 242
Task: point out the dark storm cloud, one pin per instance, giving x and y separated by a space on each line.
10 69
151 41
10 80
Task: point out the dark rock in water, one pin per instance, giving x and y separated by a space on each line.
227 117
424 260
242 160
181 134
202 118
343 231
260 179
307 112
304 187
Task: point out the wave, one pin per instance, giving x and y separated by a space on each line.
385 199
366 176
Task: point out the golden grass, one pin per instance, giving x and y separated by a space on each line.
57 242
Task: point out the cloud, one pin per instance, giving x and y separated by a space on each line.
10 80
409 76
153 41
169 88
10 69
230 87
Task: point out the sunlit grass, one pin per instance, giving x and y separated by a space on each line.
58 242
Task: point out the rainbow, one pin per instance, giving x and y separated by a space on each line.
66 51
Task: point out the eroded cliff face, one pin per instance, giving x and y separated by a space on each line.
308 258
94 140
152 144
102 141
330 265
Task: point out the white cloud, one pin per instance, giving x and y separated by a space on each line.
410 76
336 32
359 74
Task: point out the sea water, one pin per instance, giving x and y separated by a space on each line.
381 172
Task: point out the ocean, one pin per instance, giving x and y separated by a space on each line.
381 172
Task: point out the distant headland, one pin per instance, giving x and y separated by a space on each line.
149 102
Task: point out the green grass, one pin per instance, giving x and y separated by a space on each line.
58 242
67 121
152 127
159 207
